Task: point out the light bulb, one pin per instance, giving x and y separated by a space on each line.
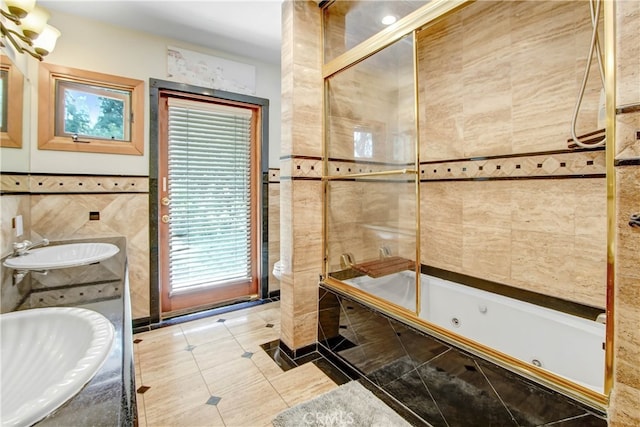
388 20
46 41
20 8
34 23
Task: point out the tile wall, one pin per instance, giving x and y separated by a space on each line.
497 88
58 208
300 197
499 78
274 227
543 235
624 409
11 206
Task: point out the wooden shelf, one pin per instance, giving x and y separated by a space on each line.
384 267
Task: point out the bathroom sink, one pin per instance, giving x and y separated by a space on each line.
47 356
62 256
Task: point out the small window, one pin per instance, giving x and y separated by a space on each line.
93 112
88 111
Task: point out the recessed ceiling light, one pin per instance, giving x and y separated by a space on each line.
388 20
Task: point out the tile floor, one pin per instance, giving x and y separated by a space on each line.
439 383
213 372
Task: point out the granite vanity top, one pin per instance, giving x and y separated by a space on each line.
109 398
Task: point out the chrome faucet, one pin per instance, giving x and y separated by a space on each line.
21 248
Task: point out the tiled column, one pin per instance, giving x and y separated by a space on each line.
301 166
624 407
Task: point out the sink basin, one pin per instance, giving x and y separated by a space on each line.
62 256
47 355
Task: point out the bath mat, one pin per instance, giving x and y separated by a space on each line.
351 405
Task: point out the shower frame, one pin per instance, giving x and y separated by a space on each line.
409 25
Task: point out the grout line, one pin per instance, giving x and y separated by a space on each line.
495 391
201 375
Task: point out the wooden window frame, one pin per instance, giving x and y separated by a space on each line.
12 138
49 74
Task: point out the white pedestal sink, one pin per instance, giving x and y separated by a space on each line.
47 355
62 256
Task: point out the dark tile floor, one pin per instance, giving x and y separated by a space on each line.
441 385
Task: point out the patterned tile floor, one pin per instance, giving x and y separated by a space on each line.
441 384
214 372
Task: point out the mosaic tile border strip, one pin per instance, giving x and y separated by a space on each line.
569 164
581 163
39 184
301 168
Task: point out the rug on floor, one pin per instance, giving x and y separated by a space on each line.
350 405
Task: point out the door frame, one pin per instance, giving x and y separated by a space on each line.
155 86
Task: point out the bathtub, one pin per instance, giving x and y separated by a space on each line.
567 345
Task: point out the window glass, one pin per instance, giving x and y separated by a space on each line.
92 111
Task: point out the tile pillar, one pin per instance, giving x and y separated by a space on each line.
300 172
624 407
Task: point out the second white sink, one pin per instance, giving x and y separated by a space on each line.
62 256
47 356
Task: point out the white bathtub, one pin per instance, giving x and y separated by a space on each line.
564 344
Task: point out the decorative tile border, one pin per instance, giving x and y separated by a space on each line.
40 184
578 163
342 167
563 164
304 167
88 184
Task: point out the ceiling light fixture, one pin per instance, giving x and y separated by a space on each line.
26 28
388 20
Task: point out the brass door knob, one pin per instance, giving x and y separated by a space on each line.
165 219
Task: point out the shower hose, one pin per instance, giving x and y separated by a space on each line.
594 6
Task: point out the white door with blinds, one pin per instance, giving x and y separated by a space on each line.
208 215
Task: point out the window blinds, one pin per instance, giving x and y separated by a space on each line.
209 185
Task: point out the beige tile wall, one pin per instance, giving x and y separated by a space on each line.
121 201
65 217
624 409
274 226
362 217
546 236
300 200
11 206
502 77
626 390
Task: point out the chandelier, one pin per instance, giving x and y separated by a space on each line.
24 26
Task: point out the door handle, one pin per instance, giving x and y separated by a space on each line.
165 201
165 219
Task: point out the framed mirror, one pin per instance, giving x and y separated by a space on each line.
11 104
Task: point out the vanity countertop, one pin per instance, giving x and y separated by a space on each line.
109 398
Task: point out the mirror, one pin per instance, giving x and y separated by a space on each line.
11 90
14 115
